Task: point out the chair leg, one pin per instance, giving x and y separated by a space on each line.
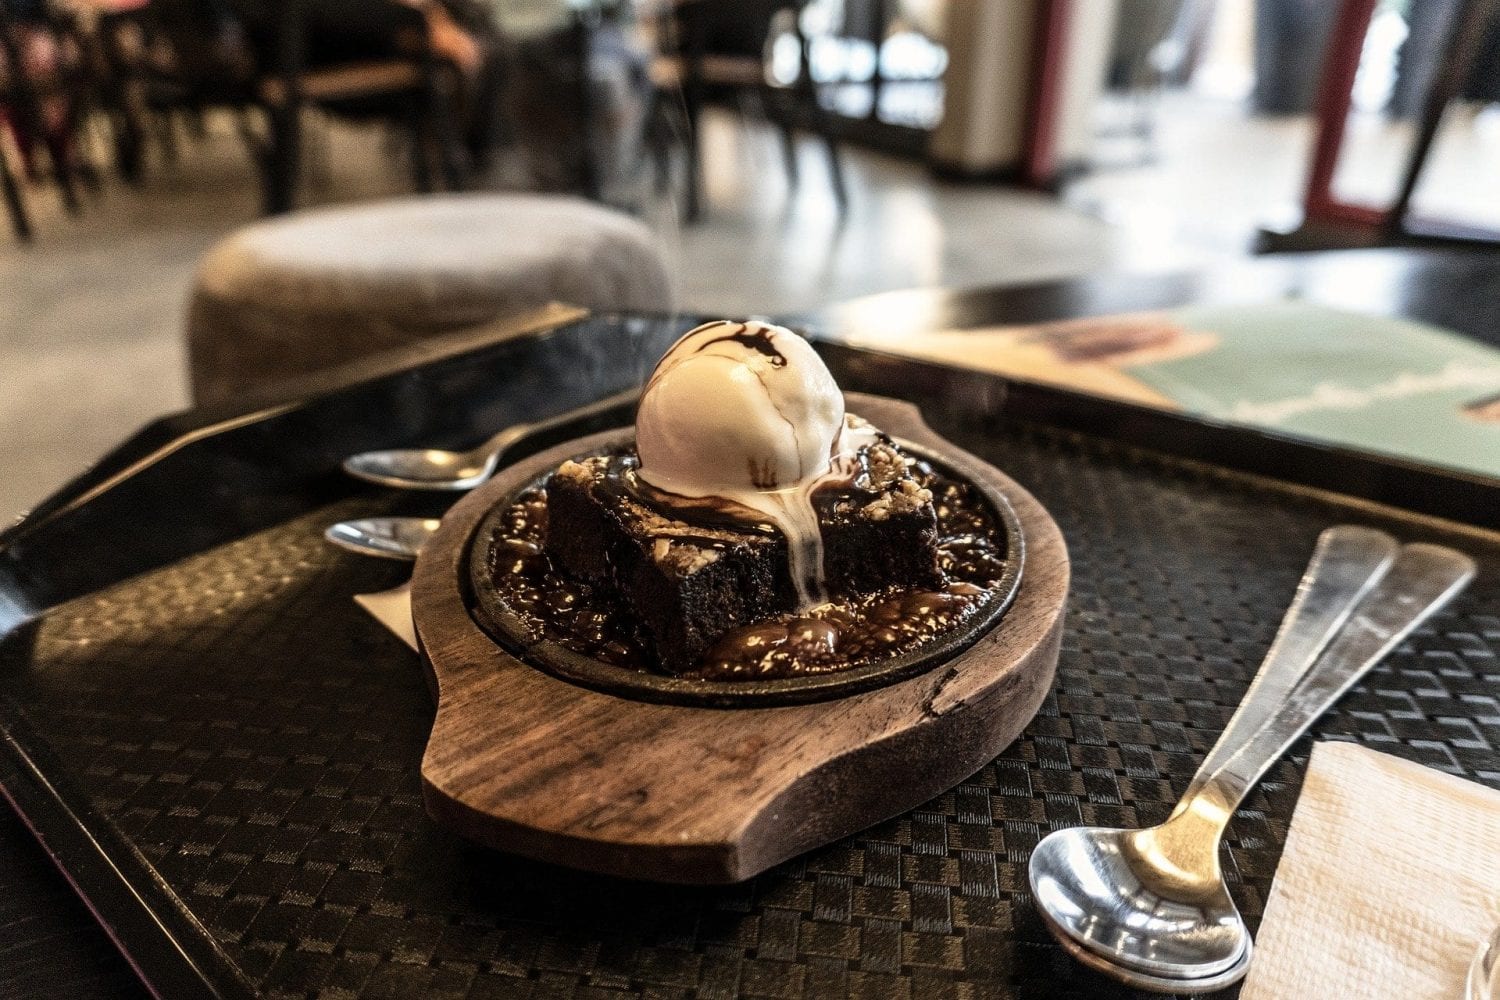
692 208
197 125
282 156
434 131
1467 36
62 169
836 171
13 202
652 143
823 122
125 137
661 165
453 159
83 160
781 117
166 134
589 172
76 131
121 97
32 124
421 147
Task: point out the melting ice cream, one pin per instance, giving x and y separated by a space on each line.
748 412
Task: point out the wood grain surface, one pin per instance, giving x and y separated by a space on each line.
528 763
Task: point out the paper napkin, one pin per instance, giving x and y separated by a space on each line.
392 608
1389 882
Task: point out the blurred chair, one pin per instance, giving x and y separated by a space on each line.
114 42
715 48
293 296
281 56
576 95
45 96
412 88
1329 221
552 103
15 205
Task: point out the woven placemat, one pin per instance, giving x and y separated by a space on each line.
256 738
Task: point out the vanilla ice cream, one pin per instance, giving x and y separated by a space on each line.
736 407
747 412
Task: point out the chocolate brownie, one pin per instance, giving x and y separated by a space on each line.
689 581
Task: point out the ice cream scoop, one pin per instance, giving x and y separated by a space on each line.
749 413
736 407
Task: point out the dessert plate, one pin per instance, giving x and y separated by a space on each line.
530 762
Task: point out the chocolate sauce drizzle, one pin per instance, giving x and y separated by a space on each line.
789 505
758 341
848 631
621 482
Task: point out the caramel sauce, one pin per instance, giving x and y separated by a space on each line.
839 635
847 631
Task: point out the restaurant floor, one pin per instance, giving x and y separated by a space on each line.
91 313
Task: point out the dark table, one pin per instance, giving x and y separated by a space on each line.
1459 290
50 946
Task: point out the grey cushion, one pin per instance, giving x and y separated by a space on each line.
313 290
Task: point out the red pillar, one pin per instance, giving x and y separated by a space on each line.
1049 46
1335 90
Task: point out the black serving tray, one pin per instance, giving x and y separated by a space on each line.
221 750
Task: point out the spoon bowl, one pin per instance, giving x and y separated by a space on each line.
424 468
1157 984
1092 886
1483 980
387 537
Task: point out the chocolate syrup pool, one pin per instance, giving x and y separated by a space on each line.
840 633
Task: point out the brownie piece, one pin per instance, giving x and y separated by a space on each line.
689 583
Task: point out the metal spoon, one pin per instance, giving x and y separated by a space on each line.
1483 980
389 538
1150 906
1162 984
1346 562
434 469
386 537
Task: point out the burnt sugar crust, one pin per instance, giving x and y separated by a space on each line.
691 578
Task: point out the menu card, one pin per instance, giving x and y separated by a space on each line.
1372 383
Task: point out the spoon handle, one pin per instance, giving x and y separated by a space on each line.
1423 579
541 433
1345 564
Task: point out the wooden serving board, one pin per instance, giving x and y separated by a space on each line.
525 762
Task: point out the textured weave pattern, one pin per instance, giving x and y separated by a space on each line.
257 738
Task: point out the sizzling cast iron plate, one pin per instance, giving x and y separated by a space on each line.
509 628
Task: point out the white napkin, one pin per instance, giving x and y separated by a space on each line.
392 608
1389 882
